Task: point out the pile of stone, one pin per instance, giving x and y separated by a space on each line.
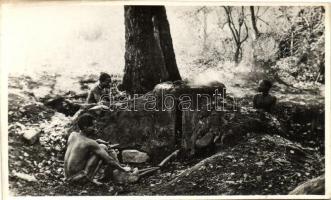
55 132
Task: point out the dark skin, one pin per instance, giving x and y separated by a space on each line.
105 84
86 155
95 94
264 100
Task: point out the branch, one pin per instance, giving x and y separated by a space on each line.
265 11
222 26
262 20
234 27
253 18
164 161
200 9
241 20
305 19
230 23
246 37
258 9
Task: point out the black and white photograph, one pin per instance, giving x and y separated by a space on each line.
115 99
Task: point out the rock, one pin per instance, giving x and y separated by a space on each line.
25 108
127 168
314 186
31 135
199 128
205 141
62 105
41 92
125 177
25 177
134 156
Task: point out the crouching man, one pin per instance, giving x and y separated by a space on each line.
84 155
264 100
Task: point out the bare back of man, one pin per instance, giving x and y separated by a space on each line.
265 102
84 157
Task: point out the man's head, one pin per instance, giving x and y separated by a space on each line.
86 123
104 80
264 86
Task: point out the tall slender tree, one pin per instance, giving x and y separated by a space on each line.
254 22
238 34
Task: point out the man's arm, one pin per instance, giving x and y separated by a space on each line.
94 96
90 98
95 148
255 101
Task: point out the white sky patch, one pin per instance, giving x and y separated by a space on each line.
63 38
77 38
80 38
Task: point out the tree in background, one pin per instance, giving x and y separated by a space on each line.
285 44
204 12
237 26
256 16
254 22
149 53
301 48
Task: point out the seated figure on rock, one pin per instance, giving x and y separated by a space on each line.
100 92
84 155
98 98
264 100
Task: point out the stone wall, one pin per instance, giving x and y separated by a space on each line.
163 130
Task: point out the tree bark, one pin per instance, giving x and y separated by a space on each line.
162 24
149 53
236 55
237 31
253 18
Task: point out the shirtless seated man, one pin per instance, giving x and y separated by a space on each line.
84 155
264 100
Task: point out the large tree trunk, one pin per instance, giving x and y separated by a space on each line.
149 55
162 25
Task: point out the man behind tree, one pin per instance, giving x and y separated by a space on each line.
84 155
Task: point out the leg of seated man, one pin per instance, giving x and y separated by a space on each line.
80 176
93 165
108 173
88 173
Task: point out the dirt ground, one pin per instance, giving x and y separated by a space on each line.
260 164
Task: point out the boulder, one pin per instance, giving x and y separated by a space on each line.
62 105
134 156
31 135
125 177
21 105
42 92
26 177
314 186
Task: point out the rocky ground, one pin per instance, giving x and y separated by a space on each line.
259 164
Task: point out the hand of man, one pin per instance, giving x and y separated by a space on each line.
101 141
